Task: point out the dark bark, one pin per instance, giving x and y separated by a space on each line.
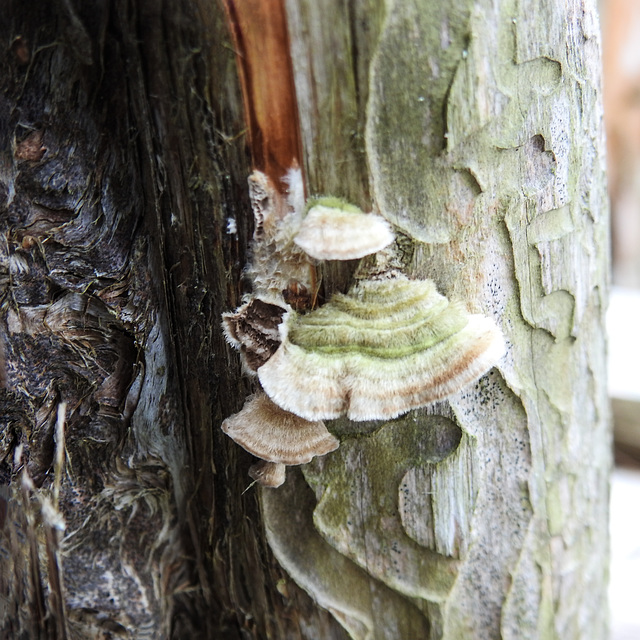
123 156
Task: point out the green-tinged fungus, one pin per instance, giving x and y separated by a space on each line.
387 347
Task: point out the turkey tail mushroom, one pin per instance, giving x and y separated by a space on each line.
336 230
386 347
253 329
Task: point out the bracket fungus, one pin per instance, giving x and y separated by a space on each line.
268 474
336 230
275 435
253 329
386 347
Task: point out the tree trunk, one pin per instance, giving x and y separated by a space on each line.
472 126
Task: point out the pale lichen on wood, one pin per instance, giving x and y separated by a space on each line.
484 140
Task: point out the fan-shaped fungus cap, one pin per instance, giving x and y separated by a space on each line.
336 230
253 330
268 474
385 348
275 435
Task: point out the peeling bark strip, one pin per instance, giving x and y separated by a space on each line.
259 29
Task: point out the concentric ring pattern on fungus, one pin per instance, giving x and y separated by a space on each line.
386 347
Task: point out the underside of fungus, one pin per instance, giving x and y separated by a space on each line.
275 435
336 230
385 348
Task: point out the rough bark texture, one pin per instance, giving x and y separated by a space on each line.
473 126
123 158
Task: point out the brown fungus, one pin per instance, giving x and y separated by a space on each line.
253 330
268 474
275 435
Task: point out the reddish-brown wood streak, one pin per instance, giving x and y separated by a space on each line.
259 29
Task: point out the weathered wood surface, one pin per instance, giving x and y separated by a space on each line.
483 137
475 127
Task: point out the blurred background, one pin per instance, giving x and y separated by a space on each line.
620 21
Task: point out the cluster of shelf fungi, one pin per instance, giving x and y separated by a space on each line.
387 346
